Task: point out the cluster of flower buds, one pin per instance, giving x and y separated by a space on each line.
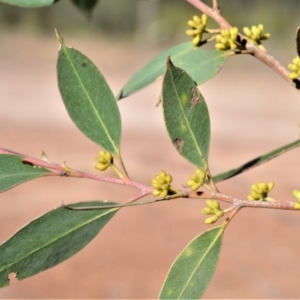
227 39
197 28
213 208
104 160
260 191
197 179
161 184
295 68
255 34
296 194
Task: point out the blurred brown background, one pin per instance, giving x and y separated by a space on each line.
252 111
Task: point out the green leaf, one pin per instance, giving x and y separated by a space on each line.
256 161
29 3
51 239
186 116
201 65
153 70
88 99
13 171
86 6
193 269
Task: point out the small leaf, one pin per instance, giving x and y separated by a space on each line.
256 161
13 171
201 65
29 3
86 6
186 116
51 239
88 99
193 269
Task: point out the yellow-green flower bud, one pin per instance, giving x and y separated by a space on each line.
211 219
296 194
226 33
209 203
192 23
197 20
297 205
216 205
196 179
295 68
247 31
161 184
220 213
270 186
104 160
219 46
255 34
207 211
260 191
213 208
293 75
197 28
204 19
227 39
196 40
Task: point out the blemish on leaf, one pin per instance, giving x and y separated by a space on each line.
83 64
188 251
195 97
24 162
184 98
178 143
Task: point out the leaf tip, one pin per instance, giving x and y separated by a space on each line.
59 38
169 62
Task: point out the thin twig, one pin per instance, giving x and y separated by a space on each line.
241 202
145 189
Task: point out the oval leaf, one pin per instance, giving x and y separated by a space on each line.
88 99
186 116
13 171
29 3
51 239
201 65
193 269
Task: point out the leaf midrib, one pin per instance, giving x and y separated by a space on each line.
200 262
187 123
53 240
90 100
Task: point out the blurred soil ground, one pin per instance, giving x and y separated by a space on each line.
252 112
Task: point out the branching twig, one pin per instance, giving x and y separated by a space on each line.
263 56
241 202
145 189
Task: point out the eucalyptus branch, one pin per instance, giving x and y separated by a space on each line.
67 172
263 56
241 202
